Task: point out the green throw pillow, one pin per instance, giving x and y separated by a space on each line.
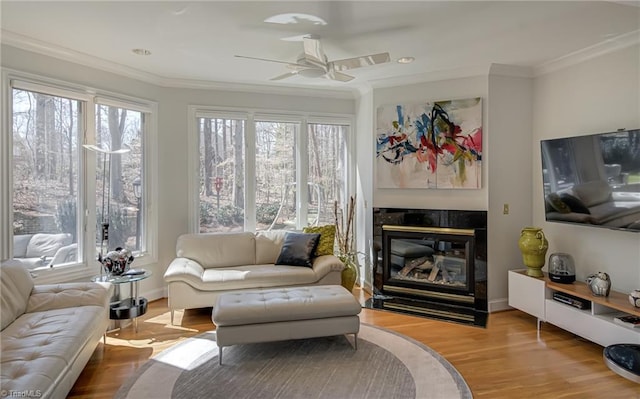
327 238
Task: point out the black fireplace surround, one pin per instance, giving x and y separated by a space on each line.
431 262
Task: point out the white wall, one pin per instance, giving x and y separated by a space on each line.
596 96
508 157
364 148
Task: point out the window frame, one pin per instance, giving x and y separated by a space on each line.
250 117
87 97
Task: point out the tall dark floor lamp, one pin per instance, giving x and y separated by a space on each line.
106 196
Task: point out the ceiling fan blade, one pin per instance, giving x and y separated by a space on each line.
358 62
293 64
284 76
339 76
313 52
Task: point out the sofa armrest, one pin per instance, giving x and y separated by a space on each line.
323 265
66 254
181 269
68 295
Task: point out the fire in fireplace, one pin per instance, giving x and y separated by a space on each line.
431 262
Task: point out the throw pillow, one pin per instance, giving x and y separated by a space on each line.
574 204
327 238
556 203
298 249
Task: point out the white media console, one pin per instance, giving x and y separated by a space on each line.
534 295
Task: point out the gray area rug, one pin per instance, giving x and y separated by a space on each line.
386 365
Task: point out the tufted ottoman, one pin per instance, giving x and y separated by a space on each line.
285 313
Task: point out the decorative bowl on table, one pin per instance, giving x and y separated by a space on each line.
117 262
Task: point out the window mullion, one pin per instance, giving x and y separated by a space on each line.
250 174
302 169
87 180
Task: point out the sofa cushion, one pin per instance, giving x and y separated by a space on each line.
251 276
327 238
218 249
592 193
68 295
298 249
20 243
16 286
43 244
39 346
268 245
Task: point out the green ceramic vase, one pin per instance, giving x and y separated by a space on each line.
533 245
349 273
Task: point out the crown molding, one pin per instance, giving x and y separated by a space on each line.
514 71
585 54
347 93
431 76
65 54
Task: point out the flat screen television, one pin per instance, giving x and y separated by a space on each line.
593 180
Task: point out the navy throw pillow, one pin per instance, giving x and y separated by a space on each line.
298 249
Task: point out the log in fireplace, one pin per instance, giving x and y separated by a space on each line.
431 263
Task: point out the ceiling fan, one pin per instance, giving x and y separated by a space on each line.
313 63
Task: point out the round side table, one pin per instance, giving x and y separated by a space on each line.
132 306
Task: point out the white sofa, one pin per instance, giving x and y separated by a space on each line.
213 263
43 249
49 332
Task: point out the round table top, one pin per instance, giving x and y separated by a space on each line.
123 278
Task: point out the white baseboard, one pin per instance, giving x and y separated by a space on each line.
155 294
498 305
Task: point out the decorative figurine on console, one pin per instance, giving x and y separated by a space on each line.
600 283
634 298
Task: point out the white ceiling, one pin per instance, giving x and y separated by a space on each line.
195 42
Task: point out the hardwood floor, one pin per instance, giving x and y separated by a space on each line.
506 360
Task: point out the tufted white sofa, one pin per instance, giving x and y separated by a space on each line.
48 332
208 265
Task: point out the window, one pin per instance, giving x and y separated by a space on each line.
264 172
54 204
120 128
327 171
45 178
276 175
221 174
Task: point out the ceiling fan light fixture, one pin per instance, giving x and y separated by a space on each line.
312 72
295 18
406 60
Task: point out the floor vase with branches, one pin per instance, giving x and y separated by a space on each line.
345 243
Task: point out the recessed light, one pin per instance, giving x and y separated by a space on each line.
406 60
141 51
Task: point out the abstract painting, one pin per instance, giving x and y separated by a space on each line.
429 144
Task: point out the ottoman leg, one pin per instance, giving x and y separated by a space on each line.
355 340
220 355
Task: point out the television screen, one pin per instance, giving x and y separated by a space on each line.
593 179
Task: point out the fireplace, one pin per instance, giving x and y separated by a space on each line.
431 263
